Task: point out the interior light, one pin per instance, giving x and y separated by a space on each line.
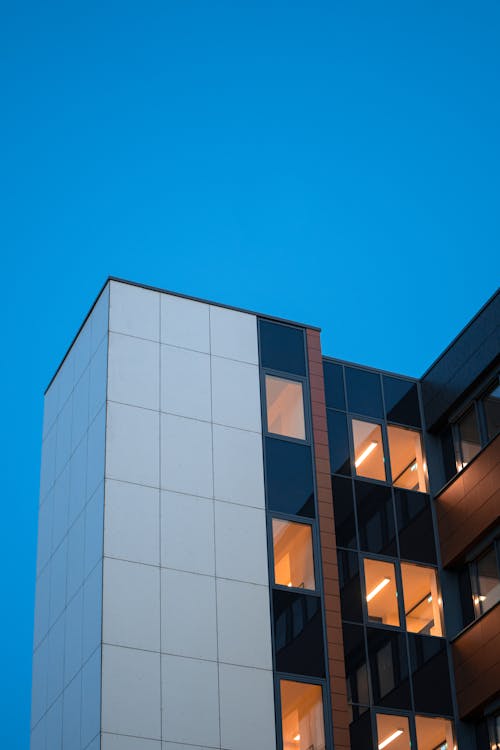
383 583
413 467
480 598
390 739
289 584
365 454
429 598
296 738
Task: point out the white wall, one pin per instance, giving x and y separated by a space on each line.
186 624
67 635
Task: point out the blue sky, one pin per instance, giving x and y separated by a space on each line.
333 163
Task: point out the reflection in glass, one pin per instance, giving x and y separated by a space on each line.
302 721
407 459
430 675
364 394
401 401
293 554
282 347
491 406
289 477
423 604
375 518
350 586
415 527
468 433
434 733
393 732
285 407
338 442
368 450
343 505
334 385
388 658
381 592
356 667
485 582
298 633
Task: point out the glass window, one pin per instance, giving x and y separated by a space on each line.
334 385
338 442
468 435
430 675
298 633
401 401
375 518
350 587
282 347
415 526
302 721
393 732
293 554
491 407
423 603
381 592
388 659
408 465
368 450
285 407
485 581
355 664
289 477
343 507
364 394
434 733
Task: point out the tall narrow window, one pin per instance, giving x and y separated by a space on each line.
381 592
434 733
285 407
393 732
302 720
368 450
293 554
423 604
468 435
491 407
485 581
407 458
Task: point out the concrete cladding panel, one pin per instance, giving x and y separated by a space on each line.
185 532
67 636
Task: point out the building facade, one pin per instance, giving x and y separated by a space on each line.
245 544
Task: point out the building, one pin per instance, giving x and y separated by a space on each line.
246 544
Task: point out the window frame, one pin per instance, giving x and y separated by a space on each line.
305 400
315 548
476 403
399 593
327 720
474 577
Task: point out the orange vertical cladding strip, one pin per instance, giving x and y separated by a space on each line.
335 643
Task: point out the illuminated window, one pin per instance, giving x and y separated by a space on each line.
302 722
434 733
423 604
468 436
381 592
368 450
407 458
285 407
293 554
393 732
485 580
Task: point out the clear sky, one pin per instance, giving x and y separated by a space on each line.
333 163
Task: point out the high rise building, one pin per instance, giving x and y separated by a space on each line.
245 544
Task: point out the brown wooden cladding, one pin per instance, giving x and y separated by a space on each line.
335 643
476 657
470 505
